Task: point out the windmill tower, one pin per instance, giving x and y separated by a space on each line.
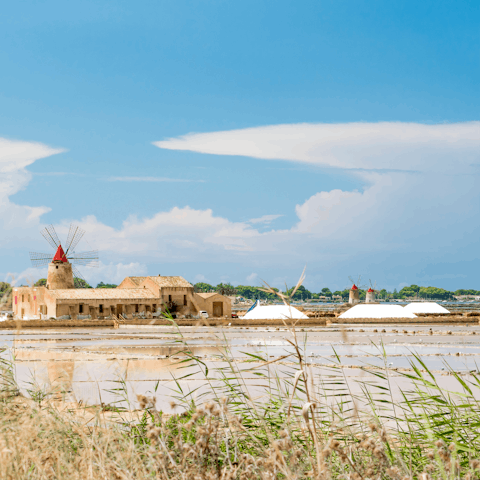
371 293
354 295
62 269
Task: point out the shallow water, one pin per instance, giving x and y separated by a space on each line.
103 365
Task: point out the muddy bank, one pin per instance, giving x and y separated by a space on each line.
327 319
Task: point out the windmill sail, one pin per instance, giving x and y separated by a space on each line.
85 258
75 234
50 235
79 276
40 259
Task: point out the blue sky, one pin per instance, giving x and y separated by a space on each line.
86 89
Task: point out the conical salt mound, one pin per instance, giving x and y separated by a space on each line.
377 311
274 312
425 307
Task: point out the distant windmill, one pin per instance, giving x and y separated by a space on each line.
61 268
354 295
371 293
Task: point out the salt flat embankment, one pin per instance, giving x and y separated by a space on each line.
321 319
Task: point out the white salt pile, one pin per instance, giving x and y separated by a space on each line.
425 307
377 311
273 312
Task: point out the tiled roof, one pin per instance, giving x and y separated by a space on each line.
207 295
170 281
102 294
137 280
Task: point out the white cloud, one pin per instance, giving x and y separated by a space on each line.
420 200
15 155
399 221
266 219
370 146
397 212
113 272
177 235
17 222
26 277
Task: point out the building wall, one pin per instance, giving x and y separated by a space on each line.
181 296
107 307
208 304
28 302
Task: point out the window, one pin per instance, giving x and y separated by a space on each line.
100 308
80 308
169 298
136 308
28 298
184 299
23 298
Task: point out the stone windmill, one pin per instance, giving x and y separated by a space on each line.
62 267
354 295
371 293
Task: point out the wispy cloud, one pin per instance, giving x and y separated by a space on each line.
57 174
265 219
387 146
152 179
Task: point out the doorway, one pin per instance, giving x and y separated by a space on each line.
218 309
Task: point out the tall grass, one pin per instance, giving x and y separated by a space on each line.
296 422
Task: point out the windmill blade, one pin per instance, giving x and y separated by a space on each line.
371 285
50 235
351 279
85 258
77 274
75 234
40 259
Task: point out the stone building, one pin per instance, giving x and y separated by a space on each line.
214 304
354 295
135 296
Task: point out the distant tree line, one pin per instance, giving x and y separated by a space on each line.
77 283
413 291
253 293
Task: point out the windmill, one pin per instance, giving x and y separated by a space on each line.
62 267
354 296
371 293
